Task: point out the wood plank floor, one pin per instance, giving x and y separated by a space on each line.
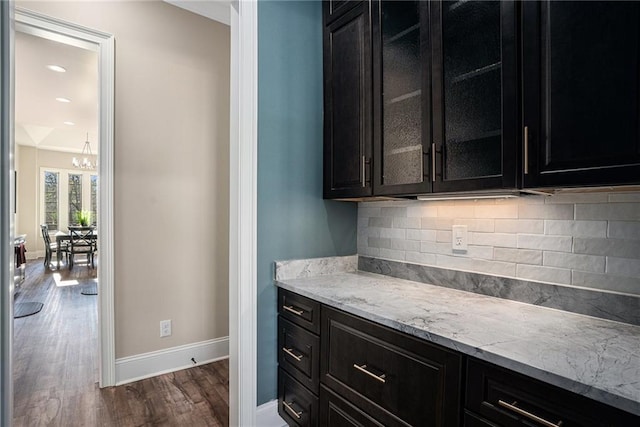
55 367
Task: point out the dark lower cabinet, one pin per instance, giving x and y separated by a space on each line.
497 396
371 376
581 93
298 358
296 404
389 374
337 412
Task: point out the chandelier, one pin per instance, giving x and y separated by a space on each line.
87 156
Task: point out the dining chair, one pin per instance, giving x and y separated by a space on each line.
82 242
51 247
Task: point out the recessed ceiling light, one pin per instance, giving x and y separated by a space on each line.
69 123
57 68
63 100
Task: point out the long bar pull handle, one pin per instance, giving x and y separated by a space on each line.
292 411
290 352
526 150
364 177
433 162
514 408
291 309
363 369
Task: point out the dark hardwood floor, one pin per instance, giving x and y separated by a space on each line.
55 367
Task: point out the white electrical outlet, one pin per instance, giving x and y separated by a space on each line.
165 328
459 238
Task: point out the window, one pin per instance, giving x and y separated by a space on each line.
75 197
94 199
51 199
63 193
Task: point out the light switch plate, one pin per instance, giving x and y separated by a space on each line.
459 240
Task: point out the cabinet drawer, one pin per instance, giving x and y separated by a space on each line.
296 405
335 411
383 371
300 310
511 399
299 353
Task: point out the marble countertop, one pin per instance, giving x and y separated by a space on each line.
589 356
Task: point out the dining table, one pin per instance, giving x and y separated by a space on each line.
65 236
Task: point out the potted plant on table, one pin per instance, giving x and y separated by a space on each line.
83 217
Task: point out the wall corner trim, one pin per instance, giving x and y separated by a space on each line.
147 365
267 415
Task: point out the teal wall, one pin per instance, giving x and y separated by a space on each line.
293 220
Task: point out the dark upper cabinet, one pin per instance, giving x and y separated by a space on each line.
581 93
347 101
475 104
402 97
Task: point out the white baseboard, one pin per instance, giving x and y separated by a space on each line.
147 365
267 415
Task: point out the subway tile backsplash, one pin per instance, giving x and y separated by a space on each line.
582 239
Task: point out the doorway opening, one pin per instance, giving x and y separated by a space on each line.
60 184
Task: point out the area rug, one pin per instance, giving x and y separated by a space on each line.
24 309
91 289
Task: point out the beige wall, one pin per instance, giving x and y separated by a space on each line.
171 169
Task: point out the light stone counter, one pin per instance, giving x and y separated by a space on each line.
589 356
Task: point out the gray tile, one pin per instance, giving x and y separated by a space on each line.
378 242
393 211
545 211
607 247
623 267
519 256
547 243
394 233
608 282
420 258
609 211
592 263
386 222
437 223
624 230
504 240
633 197
392 254
443 236
544 274
575 228
476 265
497 211
368 211
402 222
422 210
528 226
481 225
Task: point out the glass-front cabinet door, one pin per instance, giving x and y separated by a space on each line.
475 112
402 104
581 93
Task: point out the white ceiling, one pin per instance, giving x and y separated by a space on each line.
39 118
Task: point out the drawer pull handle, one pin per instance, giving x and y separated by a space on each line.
433 162
291 309
514 408
290 352
526 150
293 412
364 369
